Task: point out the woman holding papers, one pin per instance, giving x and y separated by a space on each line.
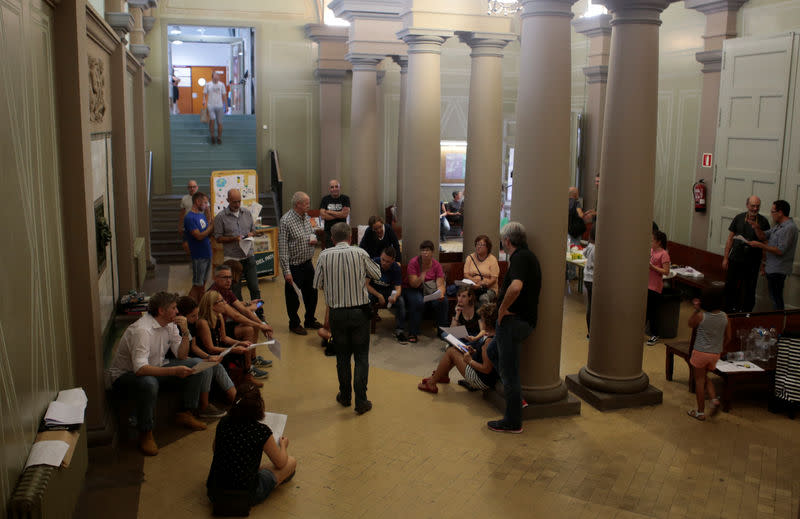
466 314
237 479
482 268
474 365
425 289
212 340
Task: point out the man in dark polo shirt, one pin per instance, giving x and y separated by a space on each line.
333 208
516 317
388 290
741 261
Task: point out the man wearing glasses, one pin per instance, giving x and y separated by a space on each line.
781 242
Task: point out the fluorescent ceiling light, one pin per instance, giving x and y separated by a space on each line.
175 31
177 42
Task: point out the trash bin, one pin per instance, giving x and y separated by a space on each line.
668 315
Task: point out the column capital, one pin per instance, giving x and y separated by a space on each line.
403 62
138 4
330 75
641 12
710 59
364 61
714 6
596 74
148 22
547 8
140 51
122 23
486 43
592 26
424 41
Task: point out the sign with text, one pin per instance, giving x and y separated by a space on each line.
707 160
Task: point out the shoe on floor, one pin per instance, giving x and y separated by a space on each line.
330 352
252 380
187 419
500 426
258 373
401 337
219 141
262 362
299 330
316 325
147 444
364 407
211 411
342 401
652 340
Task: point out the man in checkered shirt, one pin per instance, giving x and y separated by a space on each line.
296 243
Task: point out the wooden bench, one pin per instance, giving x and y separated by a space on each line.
709 263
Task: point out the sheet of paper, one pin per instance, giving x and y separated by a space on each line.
75 396
432 297
455 342
203 365
59 413
739 366
255 210
276 422
246 244
459 332
49 452
255 345
465 282
275 347
70 437
389 304
225 352
741 238
298 292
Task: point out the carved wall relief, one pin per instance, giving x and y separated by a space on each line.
97 80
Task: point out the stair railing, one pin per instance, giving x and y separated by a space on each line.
276 180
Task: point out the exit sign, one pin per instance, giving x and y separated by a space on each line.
707 160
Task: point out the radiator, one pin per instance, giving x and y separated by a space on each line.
141 262
45 492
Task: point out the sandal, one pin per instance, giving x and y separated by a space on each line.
714 407
412 339
694 413
423 386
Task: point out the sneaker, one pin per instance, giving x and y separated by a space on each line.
524 403
262 362
258 373
499 426
652 340
401 337
187 419
211 411
364 407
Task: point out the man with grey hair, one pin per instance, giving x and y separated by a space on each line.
741 260
342 272
296 242
516 318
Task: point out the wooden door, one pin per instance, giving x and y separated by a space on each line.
204 74
790 179
754 87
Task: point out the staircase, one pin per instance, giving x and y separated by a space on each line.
193 157
165 210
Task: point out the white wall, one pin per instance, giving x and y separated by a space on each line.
201 54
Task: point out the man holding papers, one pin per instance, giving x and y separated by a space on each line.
140 367
342 272
741 261
388 290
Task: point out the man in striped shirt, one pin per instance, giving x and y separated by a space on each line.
341 273
296 243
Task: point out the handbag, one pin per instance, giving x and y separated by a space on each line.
429 287
479 291
204 115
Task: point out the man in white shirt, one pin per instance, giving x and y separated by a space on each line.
214 96
140 366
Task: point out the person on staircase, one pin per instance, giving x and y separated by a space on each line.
214 96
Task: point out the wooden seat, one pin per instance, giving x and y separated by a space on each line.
682 349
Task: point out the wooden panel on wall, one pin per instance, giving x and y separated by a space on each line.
35 346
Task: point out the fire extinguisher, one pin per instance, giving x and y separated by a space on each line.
699 190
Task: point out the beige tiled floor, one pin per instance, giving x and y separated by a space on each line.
422 455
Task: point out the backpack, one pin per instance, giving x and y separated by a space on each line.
575 226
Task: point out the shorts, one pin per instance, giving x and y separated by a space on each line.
216 113
703 360
472 378
201 268
266 483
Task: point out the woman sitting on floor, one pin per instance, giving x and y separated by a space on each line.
425 277
466 314
481 267
237 479
211 338
475 366
187 307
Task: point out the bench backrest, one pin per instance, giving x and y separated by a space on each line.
709 263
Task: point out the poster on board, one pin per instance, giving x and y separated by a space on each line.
245 180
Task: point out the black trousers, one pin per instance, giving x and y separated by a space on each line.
740 286
350 330
303 276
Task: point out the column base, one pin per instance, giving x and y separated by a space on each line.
567 405
606 401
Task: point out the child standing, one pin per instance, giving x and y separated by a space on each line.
659 267
713 330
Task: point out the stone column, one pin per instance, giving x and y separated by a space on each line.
363 188
421 177
138 47
381 148
401 134
598 30
720 26
541 180
484 137
613 375
330 126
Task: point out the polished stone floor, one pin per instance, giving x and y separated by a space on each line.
422 455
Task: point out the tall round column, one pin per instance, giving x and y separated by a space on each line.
422 140
541 180
363 190
484 137
625 209
401 135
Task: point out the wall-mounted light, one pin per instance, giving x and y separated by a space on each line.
201 81
177 42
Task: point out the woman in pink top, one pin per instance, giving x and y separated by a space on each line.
425 277
659 267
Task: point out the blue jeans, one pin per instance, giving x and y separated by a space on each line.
201 267
509 336
415 309
775 286
303 276
398 309
144 390
250 274
350 330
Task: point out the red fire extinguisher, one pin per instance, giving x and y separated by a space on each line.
699 190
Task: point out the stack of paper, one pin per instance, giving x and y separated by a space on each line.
67 409
47 453
276 422
455 342
465 283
